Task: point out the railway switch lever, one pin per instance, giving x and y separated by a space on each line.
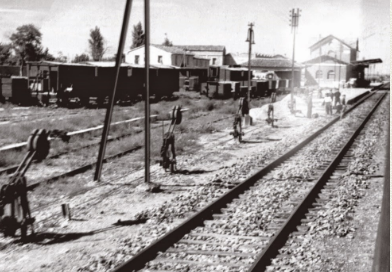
14 206
168 153
271 120
243 109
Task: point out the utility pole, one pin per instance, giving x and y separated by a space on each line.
251 40
340 58
109 111
334 70
147 101
294 20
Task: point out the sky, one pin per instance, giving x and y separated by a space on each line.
65 24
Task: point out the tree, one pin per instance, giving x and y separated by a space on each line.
45 55
81 58
137 36
96 43
167 42
60 57
5 53
27 43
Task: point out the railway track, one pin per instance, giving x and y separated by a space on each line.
228 234
89 166
11 169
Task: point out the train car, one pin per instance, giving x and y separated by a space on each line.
194 77
15 90
221 89
235 76
262 88
83 81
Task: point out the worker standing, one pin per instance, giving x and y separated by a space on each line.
310 103
344 105
337 97
273 96
328 104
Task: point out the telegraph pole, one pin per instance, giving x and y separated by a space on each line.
251 40
340 58
109 111
294 20
334 70
147 101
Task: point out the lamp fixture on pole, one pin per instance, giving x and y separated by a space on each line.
294 21
251 40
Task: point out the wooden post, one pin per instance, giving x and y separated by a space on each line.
49 84
109 110
147 101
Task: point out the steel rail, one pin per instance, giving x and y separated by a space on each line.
280 238
138 261
381 259
11 169
81 169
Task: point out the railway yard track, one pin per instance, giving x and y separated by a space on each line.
231 234
243 229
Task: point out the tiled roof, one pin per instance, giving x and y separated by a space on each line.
215 48
328 39
202 58
325 58
366 62
105 63
271 63
172 49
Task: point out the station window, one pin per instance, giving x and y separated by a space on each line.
214 61
137 59
319 74
331 74
331 53
160 59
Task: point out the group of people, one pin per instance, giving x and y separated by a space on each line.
337 100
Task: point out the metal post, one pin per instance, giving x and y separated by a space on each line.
249 59
340 58
294 25
147 101
28 74
251 41
334 70
292 70
58 80
109 110
49 82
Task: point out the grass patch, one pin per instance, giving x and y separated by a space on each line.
62 187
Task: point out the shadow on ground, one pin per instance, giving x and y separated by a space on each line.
50 238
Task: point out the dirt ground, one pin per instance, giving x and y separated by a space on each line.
355 254
104 216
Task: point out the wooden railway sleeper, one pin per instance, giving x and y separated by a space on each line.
14 206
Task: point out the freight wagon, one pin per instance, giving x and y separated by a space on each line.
85 82
66 82
223 78
192 78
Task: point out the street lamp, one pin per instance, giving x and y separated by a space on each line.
251 40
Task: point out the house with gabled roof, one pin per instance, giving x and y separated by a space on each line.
278 64
215 53
161 55
331 62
